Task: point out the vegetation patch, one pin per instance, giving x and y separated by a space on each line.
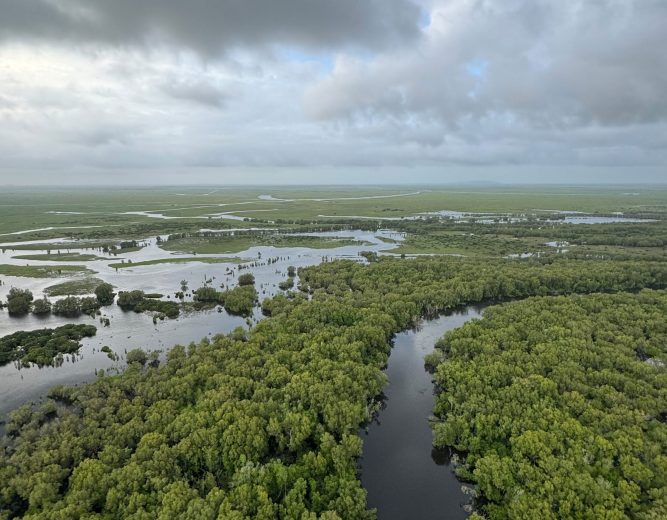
559 404
215 243
45 346
138 301
179 260
43 271
78 286
61 257
240 300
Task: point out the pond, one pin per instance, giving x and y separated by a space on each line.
404 476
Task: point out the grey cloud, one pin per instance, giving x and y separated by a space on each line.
552 63
213 26
200 92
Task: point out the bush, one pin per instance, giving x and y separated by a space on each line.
128 300
286 284
89 305
169 309
104 293
136 356
207 294
41 307
246 279
18 301
240 300
70 306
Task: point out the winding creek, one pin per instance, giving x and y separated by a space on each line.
404 475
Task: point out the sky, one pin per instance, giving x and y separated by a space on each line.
324 91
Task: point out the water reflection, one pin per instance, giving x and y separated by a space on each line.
404 475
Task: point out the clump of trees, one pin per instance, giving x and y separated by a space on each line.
128 300
43 346
246 279
240 300
71 306
19 301
559 404
138 301
105 294
41 307
136 356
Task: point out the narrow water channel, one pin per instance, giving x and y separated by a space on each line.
404 476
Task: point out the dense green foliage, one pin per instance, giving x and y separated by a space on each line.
246 279
19 301
104 294
136 356
260 424
71 306
239 300
41 307
560 406
138 301
128 300
43 346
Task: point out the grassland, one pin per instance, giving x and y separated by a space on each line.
73 287
238 243
61 257
72 213
45 271
180 260
468 244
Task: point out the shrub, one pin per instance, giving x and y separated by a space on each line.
18 301
104 293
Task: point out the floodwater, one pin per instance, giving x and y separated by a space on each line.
404 476
129 330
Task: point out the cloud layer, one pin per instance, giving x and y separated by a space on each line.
313 83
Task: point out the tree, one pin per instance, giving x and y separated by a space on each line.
246 279
69 306
128 300
41 307
18 301
137 356
104 293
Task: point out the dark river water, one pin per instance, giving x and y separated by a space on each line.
404 476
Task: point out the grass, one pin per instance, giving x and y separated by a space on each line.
24 209
73 287
238 243
457 243
70 246
45 271
181 260
61 257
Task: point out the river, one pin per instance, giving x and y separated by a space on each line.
404 476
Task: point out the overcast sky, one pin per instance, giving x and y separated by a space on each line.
326 91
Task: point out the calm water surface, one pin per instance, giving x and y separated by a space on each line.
404 476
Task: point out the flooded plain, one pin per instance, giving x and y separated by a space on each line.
129 330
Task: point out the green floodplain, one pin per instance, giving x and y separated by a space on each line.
555 401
